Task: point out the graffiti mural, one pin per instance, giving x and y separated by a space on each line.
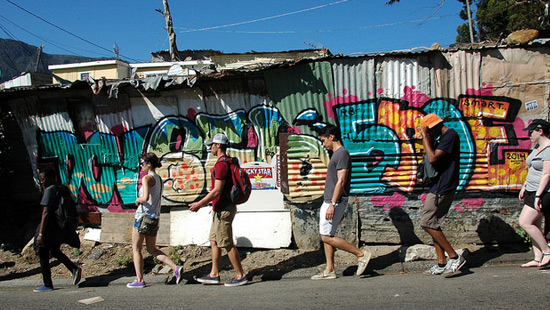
381 133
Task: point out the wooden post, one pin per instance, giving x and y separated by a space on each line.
170 30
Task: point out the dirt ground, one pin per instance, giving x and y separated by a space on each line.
101 259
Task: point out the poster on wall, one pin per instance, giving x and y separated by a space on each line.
262 175
531 105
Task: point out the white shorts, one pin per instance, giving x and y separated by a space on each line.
328 227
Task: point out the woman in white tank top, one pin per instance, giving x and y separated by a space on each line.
148 204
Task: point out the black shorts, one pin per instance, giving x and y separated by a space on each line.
529 200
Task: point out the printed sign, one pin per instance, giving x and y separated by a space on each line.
261 175
531 105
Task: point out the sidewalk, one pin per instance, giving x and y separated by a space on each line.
484 257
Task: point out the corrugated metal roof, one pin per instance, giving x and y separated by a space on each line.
453 55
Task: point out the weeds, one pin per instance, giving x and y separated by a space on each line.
524 236
123 261
176 259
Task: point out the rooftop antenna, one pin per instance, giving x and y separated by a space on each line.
116 50
39 59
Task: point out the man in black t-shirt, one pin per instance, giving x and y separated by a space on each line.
49 236
445 157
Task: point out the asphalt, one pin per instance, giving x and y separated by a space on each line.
383 264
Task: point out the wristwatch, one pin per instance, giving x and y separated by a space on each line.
335 204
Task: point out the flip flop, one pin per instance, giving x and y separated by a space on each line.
533 263
545 265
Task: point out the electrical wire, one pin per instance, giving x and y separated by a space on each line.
66 31
51 42
10 63
329 30
263 18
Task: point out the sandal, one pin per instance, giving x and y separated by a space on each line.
533 263
544 265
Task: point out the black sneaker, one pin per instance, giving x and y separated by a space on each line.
237 282
43 288
177 273
77 274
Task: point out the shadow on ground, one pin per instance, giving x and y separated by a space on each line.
277 271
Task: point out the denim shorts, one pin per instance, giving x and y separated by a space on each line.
137 223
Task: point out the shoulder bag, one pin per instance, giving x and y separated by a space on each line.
149 226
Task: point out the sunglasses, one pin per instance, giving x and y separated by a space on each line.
143 162
531 131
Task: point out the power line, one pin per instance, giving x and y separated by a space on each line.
66 31
48 41
10 63
264 18
329 30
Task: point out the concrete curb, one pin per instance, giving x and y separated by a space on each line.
474 261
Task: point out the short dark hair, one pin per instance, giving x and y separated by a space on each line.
49 174
152 159
331 130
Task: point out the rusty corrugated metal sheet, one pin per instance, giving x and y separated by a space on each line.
403 78
223 97
307 162
463 76
354 79
302 93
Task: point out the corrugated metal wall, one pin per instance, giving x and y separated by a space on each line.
487 96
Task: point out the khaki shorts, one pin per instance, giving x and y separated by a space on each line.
221 231
434 214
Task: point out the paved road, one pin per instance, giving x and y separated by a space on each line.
502 287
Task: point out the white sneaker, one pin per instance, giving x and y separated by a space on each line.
362 262
324 276
453 266
434 271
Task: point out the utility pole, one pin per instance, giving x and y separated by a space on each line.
170 29
470 21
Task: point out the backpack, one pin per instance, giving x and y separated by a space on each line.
242 187
65 214
427 173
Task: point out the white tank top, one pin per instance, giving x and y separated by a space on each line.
152 207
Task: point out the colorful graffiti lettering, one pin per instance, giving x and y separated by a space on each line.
382 135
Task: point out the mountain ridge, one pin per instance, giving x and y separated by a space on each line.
17 57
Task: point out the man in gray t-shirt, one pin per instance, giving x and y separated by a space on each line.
340 160
332 211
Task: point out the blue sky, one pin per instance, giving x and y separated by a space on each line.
342 26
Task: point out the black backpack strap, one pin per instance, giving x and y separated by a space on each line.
228 161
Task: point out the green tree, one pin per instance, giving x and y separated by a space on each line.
496 19
463 31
